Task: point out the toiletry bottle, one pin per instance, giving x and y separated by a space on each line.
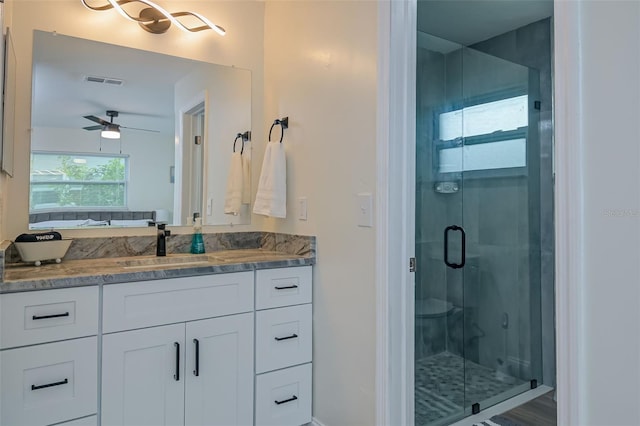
197 243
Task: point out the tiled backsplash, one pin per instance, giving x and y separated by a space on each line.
95 248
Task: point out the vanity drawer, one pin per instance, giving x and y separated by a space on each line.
85 421
48 315
148 303
283 287
49 383
283 337
283 398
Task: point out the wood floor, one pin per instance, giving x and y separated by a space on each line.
538 412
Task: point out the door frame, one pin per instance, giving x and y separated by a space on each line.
184 133
395 227
395 186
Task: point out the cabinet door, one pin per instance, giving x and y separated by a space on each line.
143 377
219 376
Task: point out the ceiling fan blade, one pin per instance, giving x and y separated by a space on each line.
96 119
93 127
144 130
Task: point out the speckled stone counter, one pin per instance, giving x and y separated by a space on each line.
265 250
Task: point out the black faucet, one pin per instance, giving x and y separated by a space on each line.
161 246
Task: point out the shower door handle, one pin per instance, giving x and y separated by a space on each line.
446 246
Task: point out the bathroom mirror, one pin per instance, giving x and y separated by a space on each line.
177 118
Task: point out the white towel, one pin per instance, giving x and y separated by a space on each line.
246 178
233 196
271 199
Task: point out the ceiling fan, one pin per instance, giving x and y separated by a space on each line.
109 129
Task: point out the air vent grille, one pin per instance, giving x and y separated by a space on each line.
104 80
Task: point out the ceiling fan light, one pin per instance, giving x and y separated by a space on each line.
110 131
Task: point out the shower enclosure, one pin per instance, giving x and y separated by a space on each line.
477 294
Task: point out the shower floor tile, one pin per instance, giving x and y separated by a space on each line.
440 386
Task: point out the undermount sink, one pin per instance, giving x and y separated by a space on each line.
148 262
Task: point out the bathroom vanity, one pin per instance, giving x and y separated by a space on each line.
218 339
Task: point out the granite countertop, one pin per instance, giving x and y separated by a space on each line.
84 272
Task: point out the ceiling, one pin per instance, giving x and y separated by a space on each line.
470 21
62 96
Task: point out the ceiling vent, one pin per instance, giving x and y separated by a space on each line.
104 80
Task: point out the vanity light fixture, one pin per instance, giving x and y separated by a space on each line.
155 19
110 131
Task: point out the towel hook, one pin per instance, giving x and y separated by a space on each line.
246 137
283 123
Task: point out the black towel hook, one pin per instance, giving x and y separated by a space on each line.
283 123
246 136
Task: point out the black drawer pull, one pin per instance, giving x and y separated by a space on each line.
49 385
293 336
293 398
286 287
177 375
36 317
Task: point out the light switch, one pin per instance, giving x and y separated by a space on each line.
365 209
209 206
302 208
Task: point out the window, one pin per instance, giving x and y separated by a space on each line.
68 181
486 136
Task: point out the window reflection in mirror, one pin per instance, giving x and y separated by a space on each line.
177 119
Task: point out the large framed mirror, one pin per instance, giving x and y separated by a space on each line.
177 121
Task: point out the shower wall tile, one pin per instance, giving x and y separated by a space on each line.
431 336
529 46
456 344
497 295
499 211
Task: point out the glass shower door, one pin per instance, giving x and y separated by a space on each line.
499 171
477 295
439 295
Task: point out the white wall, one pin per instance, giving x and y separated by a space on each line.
609 64
241 47
320 71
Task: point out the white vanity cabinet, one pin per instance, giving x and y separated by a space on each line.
49 357
283 346
193 372
222 349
